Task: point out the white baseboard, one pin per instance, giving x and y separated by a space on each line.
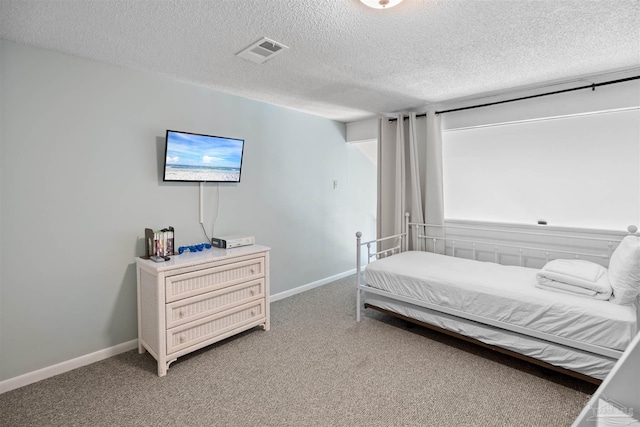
308 286
50 371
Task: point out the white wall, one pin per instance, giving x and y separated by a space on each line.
362 130
364 135
81 144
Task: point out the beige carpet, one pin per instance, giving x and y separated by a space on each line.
316 367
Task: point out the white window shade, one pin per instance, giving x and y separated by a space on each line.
577 171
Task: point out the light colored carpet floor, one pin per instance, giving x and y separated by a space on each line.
316 367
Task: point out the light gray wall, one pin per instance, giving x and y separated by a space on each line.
81 144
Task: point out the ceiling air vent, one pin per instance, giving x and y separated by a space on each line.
262 50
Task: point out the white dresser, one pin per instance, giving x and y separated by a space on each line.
197 299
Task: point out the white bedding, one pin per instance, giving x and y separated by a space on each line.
504 293
577 277
576 360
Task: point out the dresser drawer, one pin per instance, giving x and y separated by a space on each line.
193 308
201 281
201 330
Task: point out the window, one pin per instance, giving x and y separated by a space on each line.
579 170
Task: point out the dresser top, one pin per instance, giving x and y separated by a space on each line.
207 255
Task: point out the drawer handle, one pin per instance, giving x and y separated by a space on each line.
252 292
252 271
253 313
181 313
182 338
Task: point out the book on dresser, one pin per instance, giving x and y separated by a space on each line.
196 299
159 243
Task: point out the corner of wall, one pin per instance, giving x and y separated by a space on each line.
2 62
362 130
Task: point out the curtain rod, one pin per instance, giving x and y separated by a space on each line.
592 86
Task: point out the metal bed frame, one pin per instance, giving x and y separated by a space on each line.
401 244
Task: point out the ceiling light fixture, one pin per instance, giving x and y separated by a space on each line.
381 4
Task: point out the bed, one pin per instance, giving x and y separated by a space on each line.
509 308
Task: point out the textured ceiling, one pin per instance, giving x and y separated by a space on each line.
346 61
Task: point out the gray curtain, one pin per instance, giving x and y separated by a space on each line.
409 174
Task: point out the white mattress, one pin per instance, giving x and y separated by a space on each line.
504 293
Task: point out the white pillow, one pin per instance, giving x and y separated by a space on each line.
624 271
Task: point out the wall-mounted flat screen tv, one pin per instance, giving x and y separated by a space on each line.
202 158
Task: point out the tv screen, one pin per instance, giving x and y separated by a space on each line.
202 158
